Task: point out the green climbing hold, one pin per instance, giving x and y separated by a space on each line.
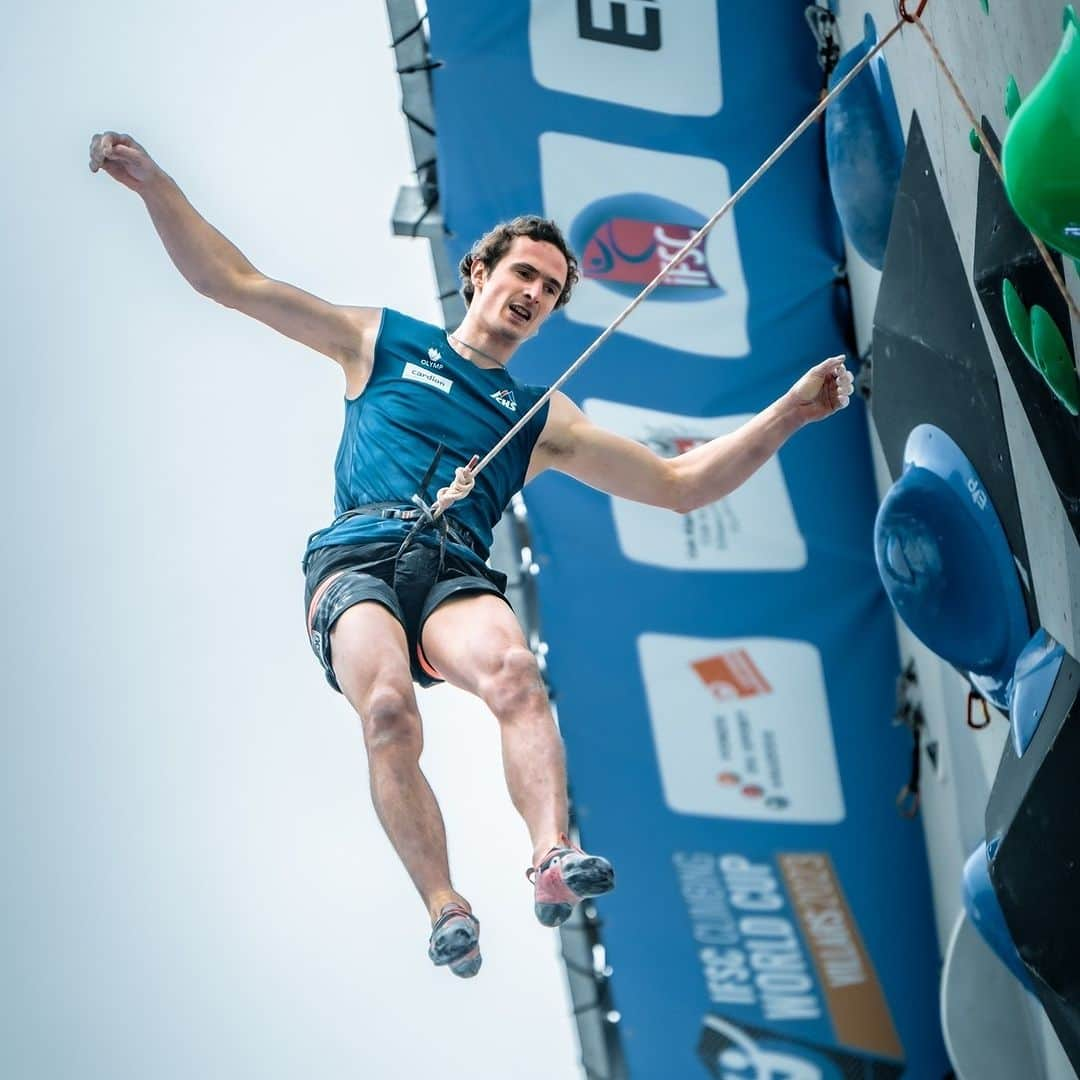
1041 155
985 6
1019 320
1012 98
1040 339
973 138
1054 359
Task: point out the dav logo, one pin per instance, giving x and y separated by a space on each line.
628 237
506 399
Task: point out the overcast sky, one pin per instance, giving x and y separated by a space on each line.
194 882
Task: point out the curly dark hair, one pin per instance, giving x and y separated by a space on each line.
493 245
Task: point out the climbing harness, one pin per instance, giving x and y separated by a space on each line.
423 518
431 561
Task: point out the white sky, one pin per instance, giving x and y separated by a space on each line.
194 882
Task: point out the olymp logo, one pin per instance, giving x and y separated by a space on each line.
753 528
434 359
660 55
741 728
628 234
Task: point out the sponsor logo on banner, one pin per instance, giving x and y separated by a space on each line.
732 675
625 241
753 528
741 728
857 1006
648 54
762 975
627 235
734 1052
506 399
415 373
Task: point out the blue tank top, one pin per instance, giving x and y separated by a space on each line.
422 393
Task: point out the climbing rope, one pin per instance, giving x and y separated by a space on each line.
437 509
991 155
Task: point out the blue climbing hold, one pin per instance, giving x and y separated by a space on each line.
946 564
1036 672
985 912
864 146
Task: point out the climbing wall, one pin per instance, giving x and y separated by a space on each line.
948 319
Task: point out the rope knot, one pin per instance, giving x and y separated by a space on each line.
906 15
427 517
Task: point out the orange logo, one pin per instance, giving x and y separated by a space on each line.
732 675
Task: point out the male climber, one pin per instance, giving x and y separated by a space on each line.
396 596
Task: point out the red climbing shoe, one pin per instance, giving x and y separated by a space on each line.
566 876
455 941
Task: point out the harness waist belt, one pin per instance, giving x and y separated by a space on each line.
459 533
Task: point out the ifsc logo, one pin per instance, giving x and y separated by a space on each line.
627 237
626 240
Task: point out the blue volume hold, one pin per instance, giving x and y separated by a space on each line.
946 564
864 146
985 912
1036 671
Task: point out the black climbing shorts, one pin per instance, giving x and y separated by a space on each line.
410 586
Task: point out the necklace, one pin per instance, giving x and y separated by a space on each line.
473 348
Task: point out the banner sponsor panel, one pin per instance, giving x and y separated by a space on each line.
777 943
753 528
724 677
626 237
742 728
631 53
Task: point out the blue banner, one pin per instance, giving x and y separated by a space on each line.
724 678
